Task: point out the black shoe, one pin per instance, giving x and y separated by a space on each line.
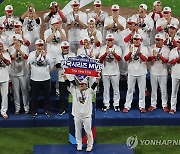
105 108
116 109
33 115
60 113
48 114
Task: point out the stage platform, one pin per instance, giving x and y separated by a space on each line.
110 118
71 149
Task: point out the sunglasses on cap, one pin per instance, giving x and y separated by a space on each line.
17 26
158 39
9 11
130 23
97 5
166 12
75 5
110 39
136 39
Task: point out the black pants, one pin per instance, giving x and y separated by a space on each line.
37 87
62 97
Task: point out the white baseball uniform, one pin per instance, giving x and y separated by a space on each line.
74 33
4 80
137 70
158 74
110 73
19 77
175 74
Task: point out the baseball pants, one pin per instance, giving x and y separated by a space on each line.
175 88
162 80
86 123
4 96
141 80
114 80
20 82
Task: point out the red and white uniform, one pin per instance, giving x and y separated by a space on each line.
111 73
4 80
137 71
158 73
175 74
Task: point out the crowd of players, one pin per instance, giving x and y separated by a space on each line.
128 47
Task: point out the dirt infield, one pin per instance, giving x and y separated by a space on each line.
125 12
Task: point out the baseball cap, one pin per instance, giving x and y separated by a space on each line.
39 42
86 38
8 8
115 7
64 44
166 9
55 21
18 37
75 3
156 2
159 37
110 37
97 3
85 81
91 20
130 20
144 6
137 36
18 24
173 26
55 3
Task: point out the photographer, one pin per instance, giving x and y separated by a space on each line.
55 12
5 61
31 24
19 73
40 68
136 55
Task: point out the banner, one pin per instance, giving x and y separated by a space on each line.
82 66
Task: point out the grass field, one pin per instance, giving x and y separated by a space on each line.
21 140
21 5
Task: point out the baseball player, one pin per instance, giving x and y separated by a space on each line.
76 21
94 34
174 60
144 23
55 12
4 79
31 25
110 55
8 20
163 23
63 55
54 36
82 110
19 73
136 55
99 15
155 15
159 54
40 66
115 24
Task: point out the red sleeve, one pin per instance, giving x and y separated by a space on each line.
27 43
143 58
128 56
25 56
127 38
164 60
7 62
98 44
151 58
159 29
101 59
165 42
61 14
153 15
81 42
117 56
174 61
160 14
174 43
